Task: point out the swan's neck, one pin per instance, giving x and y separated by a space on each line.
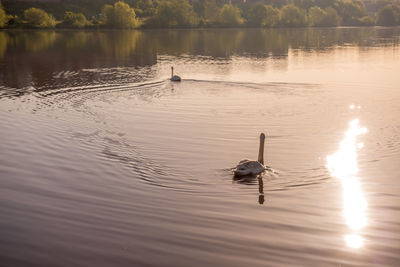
172 72
261 150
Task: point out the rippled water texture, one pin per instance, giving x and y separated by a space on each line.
105 162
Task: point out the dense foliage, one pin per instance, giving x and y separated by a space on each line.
3 17
229 15
257 15
174 13
293 16
75 20
121 15
272 19
38 18
388 15
201 13
350 11
323 17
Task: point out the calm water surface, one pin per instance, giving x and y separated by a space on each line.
105 162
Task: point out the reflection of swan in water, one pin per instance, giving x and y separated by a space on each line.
252 167
260 190
174 78
250 180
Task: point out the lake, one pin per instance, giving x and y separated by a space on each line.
106 162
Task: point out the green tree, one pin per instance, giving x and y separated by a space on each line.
145 8
323 17
272 17
165 14
124 16
107 15
211 11
229 15
257 15
121 15
365 21
175 13
292 16
38 18
198 7
3 17
332 17
388 15
350 10
76 20
305 4
316 16
324 3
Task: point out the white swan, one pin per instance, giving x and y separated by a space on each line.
174 78
252 167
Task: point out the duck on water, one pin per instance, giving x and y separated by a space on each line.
252 167
174 78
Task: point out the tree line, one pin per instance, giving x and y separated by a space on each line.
205 13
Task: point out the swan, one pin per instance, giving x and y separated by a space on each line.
252 167
174 78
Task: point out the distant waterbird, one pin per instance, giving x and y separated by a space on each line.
174 78
252 167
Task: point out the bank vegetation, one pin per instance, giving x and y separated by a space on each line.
200 13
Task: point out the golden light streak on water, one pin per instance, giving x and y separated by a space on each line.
352 106
343 165
354 241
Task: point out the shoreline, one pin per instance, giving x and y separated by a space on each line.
184 28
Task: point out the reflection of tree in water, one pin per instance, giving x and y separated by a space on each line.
60 58
263 43
36 57
76 40
119 44
220 43
3 43
38 40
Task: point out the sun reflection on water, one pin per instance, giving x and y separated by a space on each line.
343 165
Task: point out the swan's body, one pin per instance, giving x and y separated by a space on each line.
249 167
252 167
174 78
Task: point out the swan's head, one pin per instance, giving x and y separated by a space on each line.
262 136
